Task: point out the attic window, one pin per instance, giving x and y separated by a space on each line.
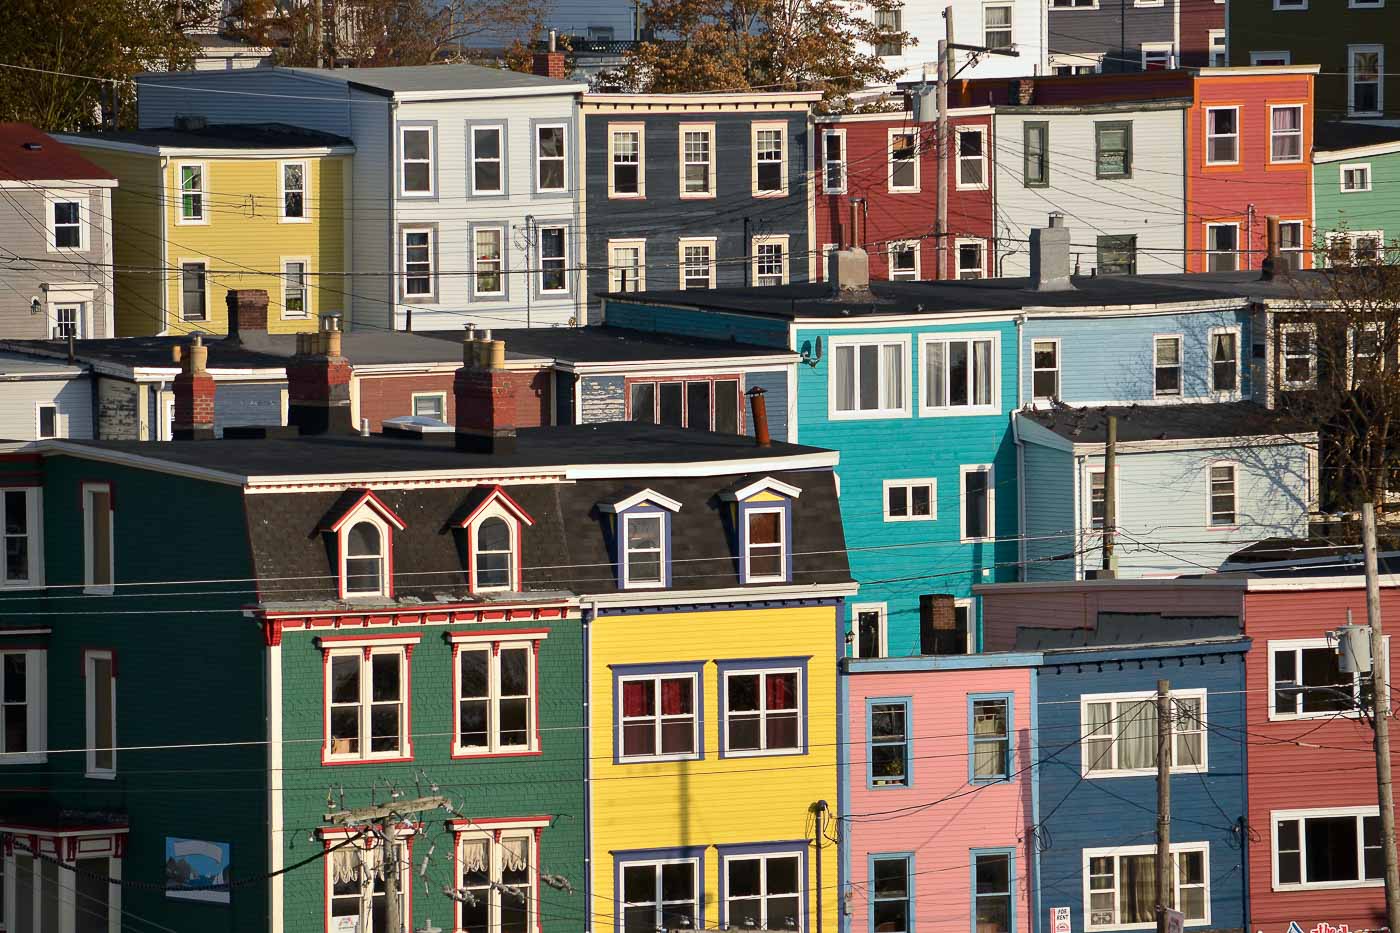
642 538
493 536
493 554
364 540
364 560
764 521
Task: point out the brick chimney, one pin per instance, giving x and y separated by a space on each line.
318 382
551 64
1025 91
194 396
484 401
247 312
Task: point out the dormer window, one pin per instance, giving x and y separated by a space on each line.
364 560
643 538
493 526
364 528
763 519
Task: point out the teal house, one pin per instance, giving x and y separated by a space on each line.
1356 188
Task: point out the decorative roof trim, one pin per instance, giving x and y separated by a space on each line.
497 634
373 502
510 822
637 498
327 642
499 496
767 484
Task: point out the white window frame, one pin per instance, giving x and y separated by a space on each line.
101 589
51 201
1353 167
1380 80
540 158
654 678
1366 4
614 279
624 552
492 646
34 524
385 549
1223 252
784 545
404 161
709 130
1297 645
431 275
541 258
91 768
880 340
500 159
1211 466
366 895
282 215
614 129
897 246
1302 816
1114 852
957 154
476 260
494 836
513 569
1290 5
828 163
963 471
1235 136
1092 470
799 697
762 858
661 906
1210 362
908 486
1010 23
202 219
36 698
180 284
1274 134
710 243
1137 697
882 610
890 137
1058 370
1353 240
992 407
754 130
1300 252
1153 48
1273 59
1291 328
769 240
1212 48
307 310
364 655
79 312
981 244
440 396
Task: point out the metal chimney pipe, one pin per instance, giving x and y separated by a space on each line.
759 407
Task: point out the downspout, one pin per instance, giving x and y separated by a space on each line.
843 764
1020 450
822 808
394 282
1033 838
586 618
164 253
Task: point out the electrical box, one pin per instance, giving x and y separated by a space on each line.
1354 649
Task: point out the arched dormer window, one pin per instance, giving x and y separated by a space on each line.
642 538
493 526
362 529
763 522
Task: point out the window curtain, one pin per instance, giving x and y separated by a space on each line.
845 376
982 372
1137 737
347 862
636 697
893 372
1137 892
474 856
934 393
782 691
675 697
515 854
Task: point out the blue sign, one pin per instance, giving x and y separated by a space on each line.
196 870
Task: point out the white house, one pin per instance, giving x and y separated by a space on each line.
1012 25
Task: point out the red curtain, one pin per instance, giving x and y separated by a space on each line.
637 699
782 691
675 696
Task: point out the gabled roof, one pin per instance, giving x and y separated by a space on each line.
348 505
31 155
629 498
481 498
749 486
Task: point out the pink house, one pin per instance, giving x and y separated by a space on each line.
936 800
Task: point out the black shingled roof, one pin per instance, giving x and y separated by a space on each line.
1186 421
223 136
1345 134
603 344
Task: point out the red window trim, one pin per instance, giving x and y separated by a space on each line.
496 636
495 827
334 837
326 761
629 381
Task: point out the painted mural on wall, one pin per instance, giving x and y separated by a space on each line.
194 868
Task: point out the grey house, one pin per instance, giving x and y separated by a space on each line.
695 191
55 239
1088 36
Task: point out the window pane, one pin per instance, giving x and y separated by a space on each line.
697 405
975 517
1332 849
726 393
672 403
644 402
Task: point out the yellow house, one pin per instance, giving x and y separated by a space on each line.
713 708
210 208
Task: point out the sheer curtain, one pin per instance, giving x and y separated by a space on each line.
1137 735
892 370
1137 892
845 376
934 393
982 372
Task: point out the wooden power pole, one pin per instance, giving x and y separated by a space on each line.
1165 888
381 820
1110 495
945 77
1380 689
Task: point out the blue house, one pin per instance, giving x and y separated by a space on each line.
1097 753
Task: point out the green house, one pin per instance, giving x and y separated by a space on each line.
1356 188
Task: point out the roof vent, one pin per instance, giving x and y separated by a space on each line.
34 147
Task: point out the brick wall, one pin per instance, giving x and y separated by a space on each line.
392 396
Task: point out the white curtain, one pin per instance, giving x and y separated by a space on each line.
347 862
893 371
474 855
982 372
934 395
1137 735
515 854
845 376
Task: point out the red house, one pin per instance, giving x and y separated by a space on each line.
1202 33
887 165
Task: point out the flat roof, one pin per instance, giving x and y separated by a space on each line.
17 365
407 79
605 344
1131 630
220 136
1338 136
1167 422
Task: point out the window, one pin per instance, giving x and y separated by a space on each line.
910 500
416 160
550 170
48 427
977 494
627 265
990 751
765 545
626 180
1045 369
493 552
1166 366
763 891
192 292
870 630
697 263
1120 732
888 755
1290 4
1074 4
1222 496
1036 162
554 260
661 895
1286 133
869 380
644 537
418 249
904 160
1356 177
496 692
1222 243
1117 255
996 25
294 191
23 693
357 895
704 404
1113 150
890 23
1222 135
834 160
770 260
1158 56
67 225
500 868
960 375
1366 354
1296 350
1098 499
1290 241
367 716
1308 681
100 680
972 158
1122 890
904 261
1271 58
68 321
192 194
992 878
1365 96
657 716
1354 247
769 159
430 405
697 161
891 906
763 709
1218 49
488 262
971 259
98 542
363 566
294 293
488 175
1225 361
1333 848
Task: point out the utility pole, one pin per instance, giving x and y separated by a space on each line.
945 77
381 820
1110 495
1380 690
1165 888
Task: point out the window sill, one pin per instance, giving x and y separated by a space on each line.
989 539
911 518
762 753
26 585
328 761
752 580
294 220
1330 885
833 191
614 196
959 411
868 415
100 775
983 781
181 222
24 758
1210 527
902 785
99 590
971 187
1145 772
416 195
698 196
488 194
1303 717
463 753
914 190
630 587
654 759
